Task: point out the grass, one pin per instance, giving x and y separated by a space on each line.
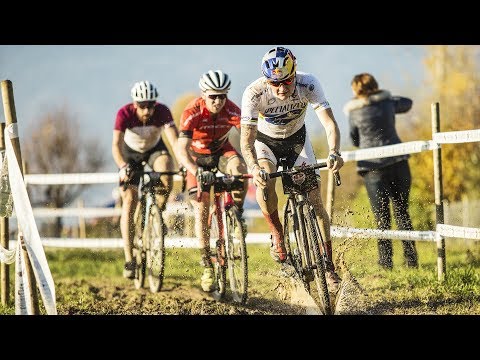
412 291
90 279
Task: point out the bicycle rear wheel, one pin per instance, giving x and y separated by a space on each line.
314 236
236 256
138 249
217 247
155 248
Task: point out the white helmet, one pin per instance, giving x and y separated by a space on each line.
144 91
215 80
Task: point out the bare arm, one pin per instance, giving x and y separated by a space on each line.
331 128
183 154
333 136
248 134
172 136
117 142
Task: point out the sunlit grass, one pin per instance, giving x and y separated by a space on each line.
398 291
420 288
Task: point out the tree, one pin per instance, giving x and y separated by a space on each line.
180 104
454 81
56 146
177 109
451 79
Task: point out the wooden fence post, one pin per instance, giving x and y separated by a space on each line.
81 221
11 118
4 240
438 185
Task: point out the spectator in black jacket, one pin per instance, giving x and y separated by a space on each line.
371 116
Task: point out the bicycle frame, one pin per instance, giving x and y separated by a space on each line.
149 245
310 257
223 212
223 202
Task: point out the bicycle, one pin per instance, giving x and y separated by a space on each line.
150 230
229 250
305 246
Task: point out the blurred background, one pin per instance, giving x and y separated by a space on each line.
67 97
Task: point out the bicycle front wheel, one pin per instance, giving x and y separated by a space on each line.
138 248
236 256
217 247
314 237
293 243
155 248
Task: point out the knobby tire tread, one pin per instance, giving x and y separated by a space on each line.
233 220
314 236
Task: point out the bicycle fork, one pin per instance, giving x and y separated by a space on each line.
308 264
218 211
320 240
143 221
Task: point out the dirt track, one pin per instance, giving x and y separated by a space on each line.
102 297
181 299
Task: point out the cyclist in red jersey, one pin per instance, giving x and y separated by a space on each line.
137 137
203 144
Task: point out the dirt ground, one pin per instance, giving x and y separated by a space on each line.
101 297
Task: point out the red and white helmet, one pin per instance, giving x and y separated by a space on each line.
279 64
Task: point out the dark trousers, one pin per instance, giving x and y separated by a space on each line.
391 183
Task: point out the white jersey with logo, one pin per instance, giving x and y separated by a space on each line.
281 118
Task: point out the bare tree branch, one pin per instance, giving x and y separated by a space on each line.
56 146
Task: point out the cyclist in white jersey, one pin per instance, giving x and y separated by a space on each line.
273 126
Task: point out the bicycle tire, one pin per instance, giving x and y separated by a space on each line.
138 250
292 238
220 270
236 256
155 248
314 236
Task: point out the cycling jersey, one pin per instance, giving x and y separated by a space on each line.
141 136
277 118
208 134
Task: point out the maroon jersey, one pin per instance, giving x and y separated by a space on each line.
139 136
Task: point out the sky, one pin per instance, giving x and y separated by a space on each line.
94 81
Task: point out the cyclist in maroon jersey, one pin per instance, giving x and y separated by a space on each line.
137 137
203 143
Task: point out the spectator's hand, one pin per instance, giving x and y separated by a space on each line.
205 177
260 177
335 161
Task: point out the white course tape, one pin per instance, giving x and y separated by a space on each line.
458 232
77 178
454 137
12 131
116 243
7 256
337 231
252 238
355 155
26 222
112 178
171 209
389 150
